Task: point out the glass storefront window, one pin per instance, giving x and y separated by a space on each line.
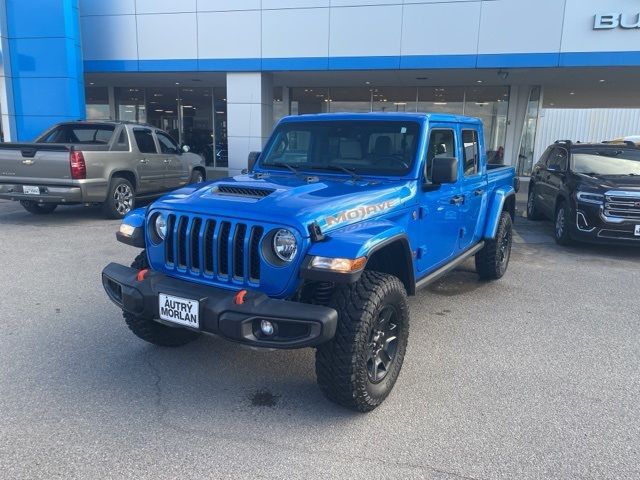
490 104
130 104
393 99
221 157
97 103
348 99
441 99
309 100
527 142
196 112
162 109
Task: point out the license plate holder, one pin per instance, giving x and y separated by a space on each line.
636 232
30 190
179 310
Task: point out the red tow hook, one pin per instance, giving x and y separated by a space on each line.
239 300
141 274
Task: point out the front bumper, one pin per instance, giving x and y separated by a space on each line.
592 226
297 324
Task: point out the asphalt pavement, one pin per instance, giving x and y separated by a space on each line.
533 376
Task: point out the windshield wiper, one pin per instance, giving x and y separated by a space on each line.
281 164
350 171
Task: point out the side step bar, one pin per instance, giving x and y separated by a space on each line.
443 270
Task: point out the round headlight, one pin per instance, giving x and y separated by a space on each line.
285 245
161 226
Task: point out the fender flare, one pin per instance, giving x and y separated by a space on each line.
324 249
500 196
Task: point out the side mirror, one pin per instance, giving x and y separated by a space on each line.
253 158
185 148
444 170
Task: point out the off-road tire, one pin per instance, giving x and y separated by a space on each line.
154 332
38 208
111 207
492 261
197 176
342 364
532 212
562 234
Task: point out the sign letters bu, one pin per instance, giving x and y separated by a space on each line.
609 21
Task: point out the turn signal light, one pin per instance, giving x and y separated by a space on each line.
345 265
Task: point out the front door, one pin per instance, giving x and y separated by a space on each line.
175 171
150 165
473 186
438 205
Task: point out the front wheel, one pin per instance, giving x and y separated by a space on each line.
492 261
360 365
38 208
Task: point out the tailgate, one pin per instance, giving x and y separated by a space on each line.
40 163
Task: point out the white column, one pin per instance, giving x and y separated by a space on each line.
249 115
518 102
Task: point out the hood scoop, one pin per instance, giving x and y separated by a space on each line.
239 191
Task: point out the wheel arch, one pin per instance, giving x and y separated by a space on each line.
393 256
201 169
127 175
504 199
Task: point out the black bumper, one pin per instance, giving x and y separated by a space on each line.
297 325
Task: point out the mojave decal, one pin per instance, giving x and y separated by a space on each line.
360 213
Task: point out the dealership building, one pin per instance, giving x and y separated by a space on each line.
218 74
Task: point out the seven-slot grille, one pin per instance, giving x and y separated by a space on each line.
622 205
214 248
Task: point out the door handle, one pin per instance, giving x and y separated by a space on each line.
478 191
457 200
144 160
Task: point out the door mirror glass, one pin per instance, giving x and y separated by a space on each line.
253 158
185 148
444 170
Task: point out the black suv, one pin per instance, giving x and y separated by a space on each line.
590 190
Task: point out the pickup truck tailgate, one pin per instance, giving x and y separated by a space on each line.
34 163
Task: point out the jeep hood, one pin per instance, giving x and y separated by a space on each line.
297 201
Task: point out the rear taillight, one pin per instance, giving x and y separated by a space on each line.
78 167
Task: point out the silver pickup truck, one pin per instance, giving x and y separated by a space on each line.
107 163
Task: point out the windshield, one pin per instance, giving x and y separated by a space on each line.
363 147
624 161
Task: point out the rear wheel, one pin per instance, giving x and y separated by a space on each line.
152 331
121 198
492 261
38 208
360 365
562 229
197 176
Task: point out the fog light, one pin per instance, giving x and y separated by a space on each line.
266 327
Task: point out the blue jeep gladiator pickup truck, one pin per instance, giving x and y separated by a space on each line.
319 243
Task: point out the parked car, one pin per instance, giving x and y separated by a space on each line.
107 163
341 217
590 190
